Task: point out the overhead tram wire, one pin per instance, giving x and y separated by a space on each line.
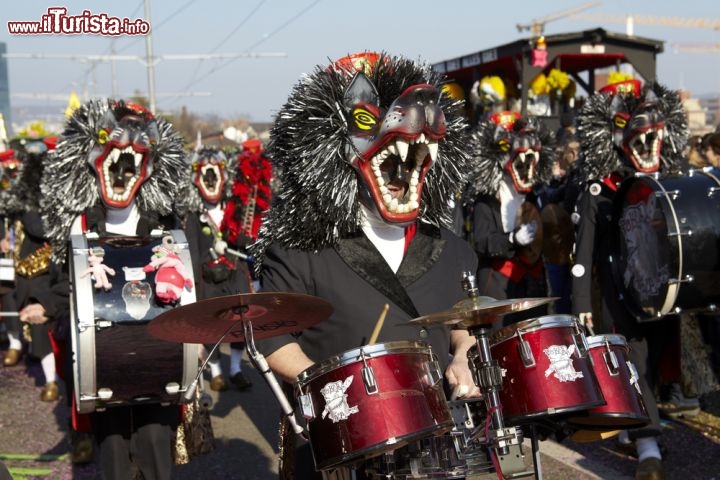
259 42
227 37
108 51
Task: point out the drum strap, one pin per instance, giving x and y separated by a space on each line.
515 270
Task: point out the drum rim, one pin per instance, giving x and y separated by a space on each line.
614 339
532 325
350 356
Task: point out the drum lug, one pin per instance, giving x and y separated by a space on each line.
712 191
172 388
611 361
434 372
680 234
525 351
580 341
103 394
687 279
306 405
368 376
674 194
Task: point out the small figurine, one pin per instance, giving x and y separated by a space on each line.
98 270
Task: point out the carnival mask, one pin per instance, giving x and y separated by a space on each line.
638 130
394 147
209 174
122 156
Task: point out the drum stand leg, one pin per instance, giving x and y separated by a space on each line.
258 359
506 442
535 452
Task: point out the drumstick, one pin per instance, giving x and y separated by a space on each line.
9 314
378 324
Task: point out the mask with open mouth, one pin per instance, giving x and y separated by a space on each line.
210 175
122 157
115 154
392 150
631 129
368 130
525 152
522 147
639 133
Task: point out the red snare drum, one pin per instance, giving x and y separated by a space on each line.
371 400
547 368
618 380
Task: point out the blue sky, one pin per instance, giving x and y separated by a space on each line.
309 32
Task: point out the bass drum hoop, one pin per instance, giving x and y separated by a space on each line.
83 328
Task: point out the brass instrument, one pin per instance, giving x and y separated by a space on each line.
35 264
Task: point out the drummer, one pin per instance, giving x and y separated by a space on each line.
89 186
511 156
623 129
363 199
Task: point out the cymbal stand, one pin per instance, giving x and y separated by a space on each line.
506 441
258 359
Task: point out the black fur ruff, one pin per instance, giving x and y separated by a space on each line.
69 185
600 157
318 201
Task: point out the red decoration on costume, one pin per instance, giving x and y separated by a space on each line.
251 185
626 87
505 119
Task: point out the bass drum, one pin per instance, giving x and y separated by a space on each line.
666 254
115 360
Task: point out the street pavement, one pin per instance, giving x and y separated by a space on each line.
33 439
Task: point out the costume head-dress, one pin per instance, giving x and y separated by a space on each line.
112 154
210 181
626 128
354 133
506 145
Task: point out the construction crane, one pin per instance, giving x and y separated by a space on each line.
630 20
536 27
695 47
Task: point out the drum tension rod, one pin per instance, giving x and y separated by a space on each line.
368 375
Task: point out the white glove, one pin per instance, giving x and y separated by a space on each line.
525 234
220 246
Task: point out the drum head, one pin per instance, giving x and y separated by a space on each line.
645 255
666 257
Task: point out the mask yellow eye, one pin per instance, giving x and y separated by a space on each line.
102 137
504 145
620 122
364 120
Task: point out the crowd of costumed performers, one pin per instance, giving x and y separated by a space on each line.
355 200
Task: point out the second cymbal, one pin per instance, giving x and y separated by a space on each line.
473 312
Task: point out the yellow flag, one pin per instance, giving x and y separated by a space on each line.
73 104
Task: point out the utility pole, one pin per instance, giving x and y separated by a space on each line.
150 59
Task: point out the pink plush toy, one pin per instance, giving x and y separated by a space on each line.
171 275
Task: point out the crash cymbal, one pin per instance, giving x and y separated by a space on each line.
474 312
271 314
